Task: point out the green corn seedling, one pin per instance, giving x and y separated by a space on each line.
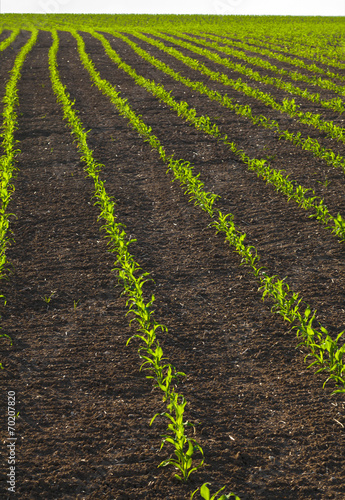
339 227
185 447
206 494
47 299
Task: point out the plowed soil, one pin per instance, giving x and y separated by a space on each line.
267 427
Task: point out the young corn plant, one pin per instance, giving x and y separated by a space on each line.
153 359
284 305
304 328
338 227
47 298
206 494
185 447
330 356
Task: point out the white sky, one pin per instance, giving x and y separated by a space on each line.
257 7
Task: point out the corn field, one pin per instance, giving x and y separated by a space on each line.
172 257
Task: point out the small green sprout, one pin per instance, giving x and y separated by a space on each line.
325 183
206 494
47 298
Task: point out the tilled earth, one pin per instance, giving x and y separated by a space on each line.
267 427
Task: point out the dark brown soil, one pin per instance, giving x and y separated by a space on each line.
268 428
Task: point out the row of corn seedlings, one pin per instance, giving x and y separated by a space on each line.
283 184
5 43
283 58
288 106
8 158
336 104
321 54
315 49
308 144
327 353
160 370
